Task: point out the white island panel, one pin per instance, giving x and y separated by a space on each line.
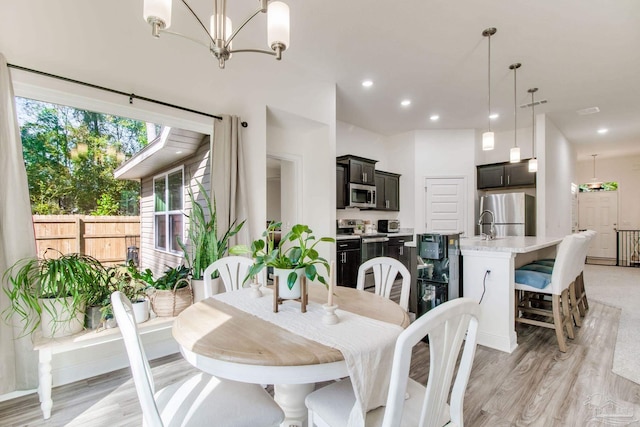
501 257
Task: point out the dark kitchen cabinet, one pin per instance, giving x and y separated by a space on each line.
387 191
348 261
518 174
506 175
397 250
341 187
358 169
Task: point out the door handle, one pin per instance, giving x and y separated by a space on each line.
500 180
401 250
508 179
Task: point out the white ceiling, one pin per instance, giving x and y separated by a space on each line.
579 53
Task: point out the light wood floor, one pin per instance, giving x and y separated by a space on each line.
536 385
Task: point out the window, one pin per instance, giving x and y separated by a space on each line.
168 191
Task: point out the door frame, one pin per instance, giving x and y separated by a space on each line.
296 184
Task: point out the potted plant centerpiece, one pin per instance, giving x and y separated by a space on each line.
204 246
294 255
51 292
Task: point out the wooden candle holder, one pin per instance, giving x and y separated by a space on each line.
304 298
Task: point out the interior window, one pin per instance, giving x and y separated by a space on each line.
168 192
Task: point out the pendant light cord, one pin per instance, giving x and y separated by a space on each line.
489 81
533 125
515 109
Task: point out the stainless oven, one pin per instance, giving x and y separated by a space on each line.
372 247
362 196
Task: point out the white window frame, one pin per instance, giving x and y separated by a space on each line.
167 214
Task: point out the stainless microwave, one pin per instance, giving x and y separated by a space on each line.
362 196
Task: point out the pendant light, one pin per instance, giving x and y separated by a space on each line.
488 137
514 154
595 184
533 161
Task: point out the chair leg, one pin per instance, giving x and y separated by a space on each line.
558 324
575 314
566 313
583 303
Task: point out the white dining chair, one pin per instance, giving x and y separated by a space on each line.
198 400
409 403
232 270
385 270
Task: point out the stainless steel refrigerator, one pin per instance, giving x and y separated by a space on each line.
514 214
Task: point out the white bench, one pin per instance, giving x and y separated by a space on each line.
47 347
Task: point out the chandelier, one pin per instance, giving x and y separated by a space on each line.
220 33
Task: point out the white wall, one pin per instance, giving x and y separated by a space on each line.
624 170
444 154
556 172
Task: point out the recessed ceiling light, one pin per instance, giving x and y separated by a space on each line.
434 118
178 152
367 83
494 116
406 102
603 130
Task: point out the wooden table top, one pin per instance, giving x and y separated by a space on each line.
217 330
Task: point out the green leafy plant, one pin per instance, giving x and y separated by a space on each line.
205 246
173 278
296 250
69 278
126 279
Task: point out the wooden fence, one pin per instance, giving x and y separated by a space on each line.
103 237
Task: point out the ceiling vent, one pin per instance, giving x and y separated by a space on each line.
587 111
531 104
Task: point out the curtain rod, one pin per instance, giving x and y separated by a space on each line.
131 96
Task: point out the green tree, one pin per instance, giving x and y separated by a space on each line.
64 177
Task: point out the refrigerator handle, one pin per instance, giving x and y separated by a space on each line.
501 179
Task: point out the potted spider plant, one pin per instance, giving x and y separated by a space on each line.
295 255
51 292
205 243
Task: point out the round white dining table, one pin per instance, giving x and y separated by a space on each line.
227 342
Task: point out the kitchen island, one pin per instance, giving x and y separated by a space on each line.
489 275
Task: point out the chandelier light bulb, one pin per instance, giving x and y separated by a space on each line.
158 14
278 25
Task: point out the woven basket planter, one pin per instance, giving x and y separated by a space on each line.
167 303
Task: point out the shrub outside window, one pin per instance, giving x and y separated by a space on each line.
168 191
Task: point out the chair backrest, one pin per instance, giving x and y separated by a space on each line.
564 269
385 270
232 269
446 326
140 370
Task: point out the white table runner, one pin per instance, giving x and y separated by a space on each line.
366 344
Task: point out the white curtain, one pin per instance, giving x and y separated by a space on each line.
228 177
18 362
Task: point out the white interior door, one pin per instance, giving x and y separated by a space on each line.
599 211
445 205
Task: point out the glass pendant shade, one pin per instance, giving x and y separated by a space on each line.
514 155
533 165
278 24
157 10
487 141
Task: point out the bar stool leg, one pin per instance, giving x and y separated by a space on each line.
574 305
566 314
557 322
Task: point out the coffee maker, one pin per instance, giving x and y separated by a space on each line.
439 270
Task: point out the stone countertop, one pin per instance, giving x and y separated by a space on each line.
513 244
358 236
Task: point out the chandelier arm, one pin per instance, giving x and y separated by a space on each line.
173 33
204 28
266 52
240 27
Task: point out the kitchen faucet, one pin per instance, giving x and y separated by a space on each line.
492 230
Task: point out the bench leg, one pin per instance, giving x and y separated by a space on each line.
44 383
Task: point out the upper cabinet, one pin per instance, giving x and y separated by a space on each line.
341 187
506 175
359 170
387 191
